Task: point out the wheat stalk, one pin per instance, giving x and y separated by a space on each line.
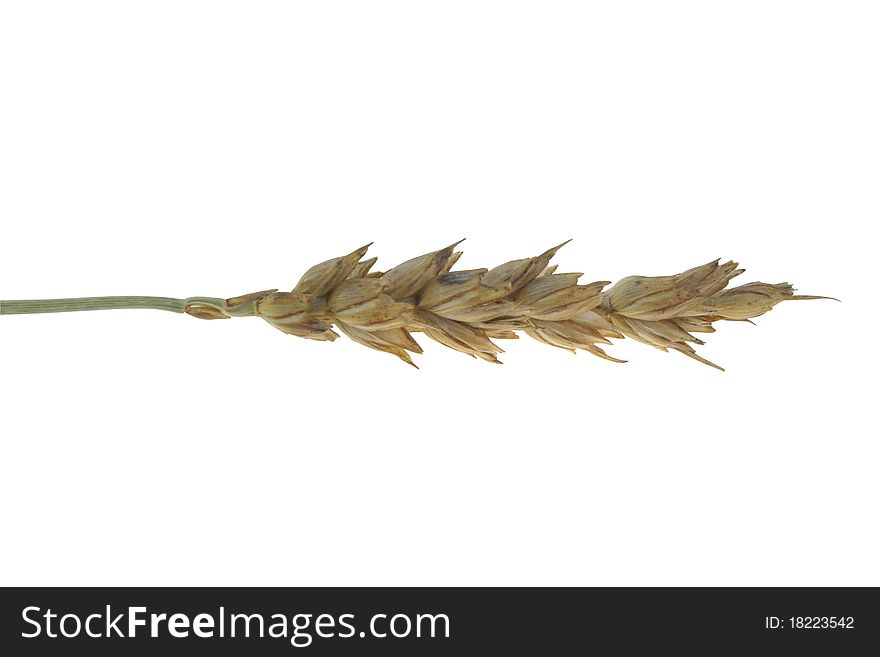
466 310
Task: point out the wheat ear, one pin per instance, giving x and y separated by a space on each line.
467 309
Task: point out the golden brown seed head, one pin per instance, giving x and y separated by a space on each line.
465 310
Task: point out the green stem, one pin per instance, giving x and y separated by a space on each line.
20 307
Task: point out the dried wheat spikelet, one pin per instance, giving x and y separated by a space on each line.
468 310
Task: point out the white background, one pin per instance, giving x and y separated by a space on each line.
217 148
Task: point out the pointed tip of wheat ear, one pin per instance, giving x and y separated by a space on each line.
808 297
